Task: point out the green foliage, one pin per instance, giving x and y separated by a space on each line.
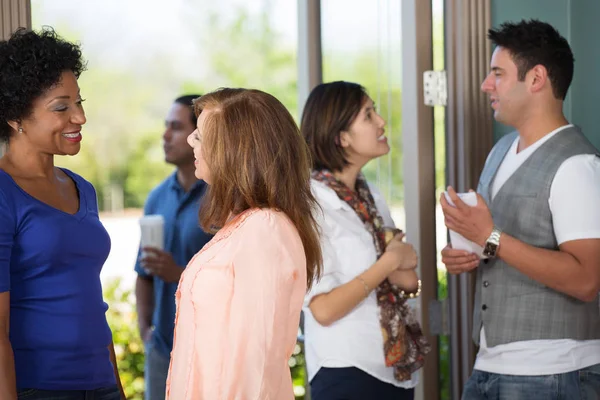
245 51
129 348
298 369
122 139
121 145
145 169
443 342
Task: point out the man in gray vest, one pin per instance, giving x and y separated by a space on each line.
537 315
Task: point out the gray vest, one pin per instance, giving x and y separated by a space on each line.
511 306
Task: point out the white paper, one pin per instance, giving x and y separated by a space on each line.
457 240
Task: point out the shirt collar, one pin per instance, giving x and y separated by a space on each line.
173 182
327 197
175 185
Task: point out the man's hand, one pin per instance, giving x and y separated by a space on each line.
474 223
160 263
459 261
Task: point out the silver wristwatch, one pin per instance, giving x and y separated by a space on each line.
493 243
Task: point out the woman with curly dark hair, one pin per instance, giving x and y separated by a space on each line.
55 341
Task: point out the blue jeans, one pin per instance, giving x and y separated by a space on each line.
155 374
109 393
577 385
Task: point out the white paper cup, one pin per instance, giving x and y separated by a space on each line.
153 232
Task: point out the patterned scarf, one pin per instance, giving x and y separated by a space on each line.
403 342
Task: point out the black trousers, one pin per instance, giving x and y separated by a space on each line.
354 384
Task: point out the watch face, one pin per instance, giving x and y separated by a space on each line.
490 249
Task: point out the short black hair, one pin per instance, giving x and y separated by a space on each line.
30 64
531 43
188 100
330 109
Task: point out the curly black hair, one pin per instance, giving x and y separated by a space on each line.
30 64
533 42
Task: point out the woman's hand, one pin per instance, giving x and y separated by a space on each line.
400 255
405 279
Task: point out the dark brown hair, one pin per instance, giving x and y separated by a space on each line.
330 109
188 101
257 159
531 43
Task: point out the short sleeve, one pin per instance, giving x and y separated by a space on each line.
7 237
575 199
138 266
331 275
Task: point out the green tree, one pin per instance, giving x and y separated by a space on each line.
245 51
129 348
145 169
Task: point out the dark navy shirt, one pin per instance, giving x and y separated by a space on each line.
50 261
183 239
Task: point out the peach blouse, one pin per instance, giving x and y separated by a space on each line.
238 310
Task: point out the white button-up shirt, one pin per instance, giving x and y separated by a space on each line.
356 340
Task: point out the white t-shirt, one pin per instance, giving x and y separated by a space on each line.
574 202
348 250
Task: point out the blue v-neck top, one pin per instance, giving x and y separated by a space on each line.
50 262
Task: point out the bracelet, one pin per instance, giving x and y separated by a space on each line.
367 289
416 294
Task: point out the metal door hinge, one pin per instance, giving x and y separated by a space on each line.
435 88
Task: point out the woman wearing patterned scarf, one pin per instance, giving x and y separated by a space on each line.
362 339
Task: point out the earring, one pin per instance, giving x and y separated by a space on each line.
20 130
